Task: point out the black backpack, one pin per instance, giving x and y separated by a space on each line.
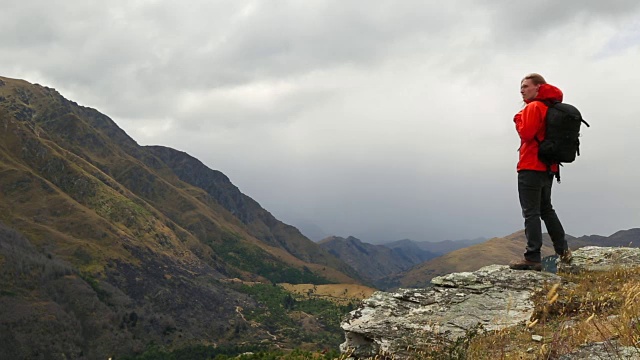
561 143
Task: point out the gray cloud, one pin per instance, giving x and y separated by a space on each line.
383 120
526 20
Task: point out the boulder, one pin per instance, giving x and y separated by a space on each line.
408 320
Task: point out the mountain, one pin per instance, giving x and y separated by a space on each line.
373 262
429 247
500 250
108 246
626 238
258 221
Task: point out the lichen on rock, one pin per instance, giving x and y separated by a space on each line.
493 297
403 323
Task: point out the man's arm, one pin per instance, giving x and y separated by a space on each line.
529 121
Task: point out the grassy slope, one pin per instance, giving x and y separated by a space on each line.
339 293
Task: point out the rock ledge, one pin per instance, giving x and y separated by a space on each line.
494 296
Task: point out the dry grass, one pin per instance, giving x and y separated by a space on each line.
338 293
600 307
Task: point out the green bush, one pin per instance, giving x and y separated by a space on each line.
203 352
277 305
255 260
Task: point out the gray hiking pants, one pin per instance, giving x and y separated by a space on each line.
534 190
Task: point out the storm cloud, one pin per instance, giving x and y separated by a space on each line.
383 120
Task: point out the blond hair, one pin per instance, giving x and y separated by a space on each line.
537 79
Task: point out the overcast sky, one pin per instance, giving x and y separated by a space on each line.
378 119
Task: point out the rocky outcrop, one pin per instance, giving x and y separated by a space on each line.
596 258
494 297
399 323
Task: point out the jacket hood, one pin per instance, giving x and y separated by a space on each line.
548 92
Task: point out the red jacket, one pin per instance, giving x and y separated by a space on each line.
530 125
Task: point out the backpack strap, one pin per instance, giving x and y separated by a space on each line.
556 174
550 103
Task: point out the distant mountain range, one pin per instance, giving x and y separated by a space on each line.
373 262
500 250
433 247
379 263
407 263
628 238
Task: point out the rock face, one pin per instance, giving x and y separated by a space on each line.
494 296
595 258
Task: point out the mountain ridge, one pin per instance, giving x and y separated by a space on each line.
373 262
131 170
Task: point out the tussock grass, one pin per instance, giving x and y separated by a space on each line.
585 308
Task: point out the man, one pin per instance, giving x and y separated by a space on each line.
534 176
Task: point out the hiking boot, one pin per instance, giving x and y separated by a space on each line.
566 257
525 264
